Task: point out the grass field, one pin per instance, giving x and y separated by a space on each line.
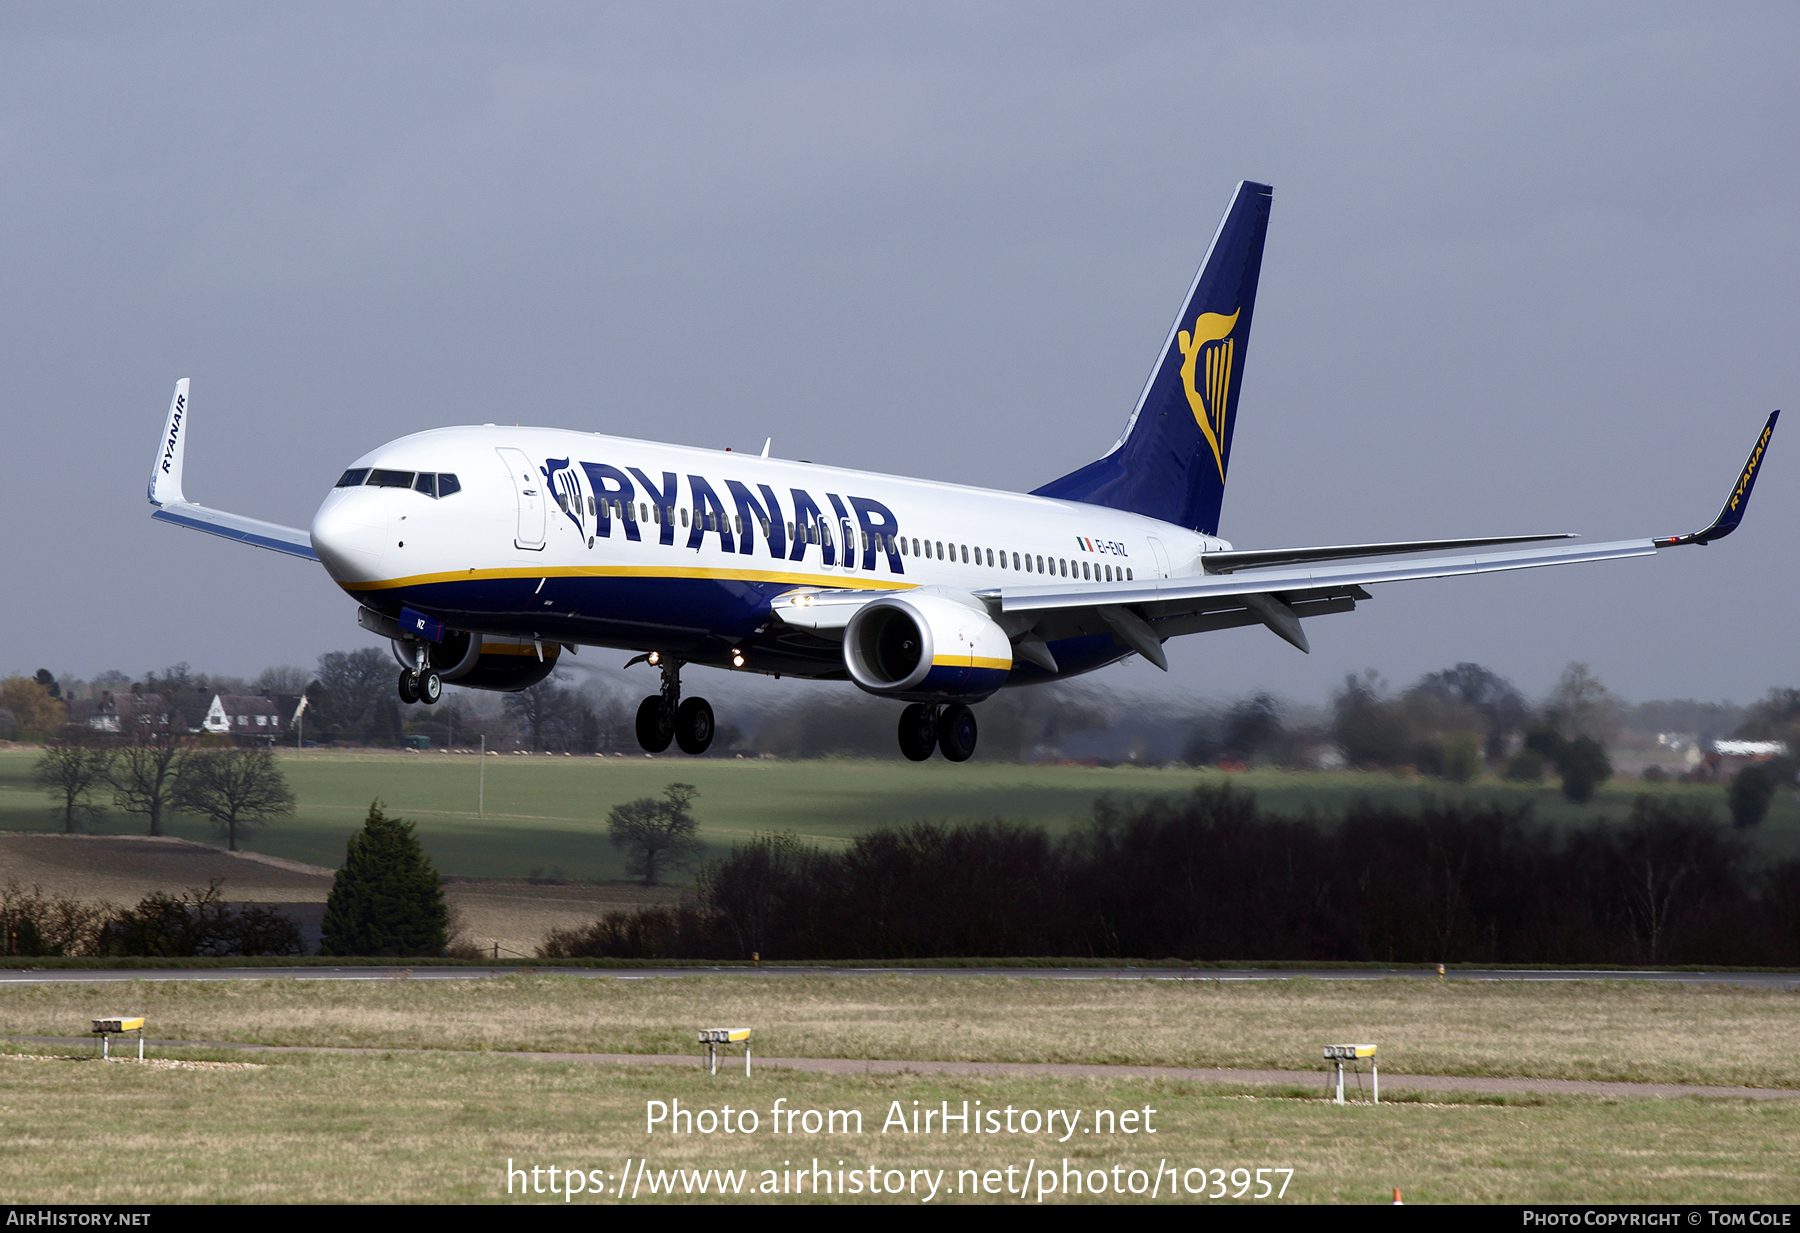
1625 1030
546 816
442 1124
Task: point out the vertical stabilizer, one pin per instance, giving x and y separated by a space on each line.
1171 461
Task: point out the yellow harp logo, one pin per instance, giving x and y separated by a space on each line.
1212 335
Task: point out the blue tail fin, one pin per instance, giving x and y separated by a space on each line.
1170 462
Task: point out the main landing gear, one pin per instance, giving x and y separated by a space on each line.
420 683
950 728
664 717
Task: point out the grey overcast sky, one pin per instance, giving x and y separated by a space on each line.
1530 268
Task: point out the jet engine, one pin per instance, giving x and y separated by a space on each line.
926 648
483 661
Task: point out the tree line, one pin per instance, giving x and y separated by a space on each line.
1211 877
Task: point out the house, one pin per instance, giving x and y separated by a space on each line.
265 717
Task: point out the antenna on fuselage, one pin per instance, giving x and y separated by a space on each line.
766 444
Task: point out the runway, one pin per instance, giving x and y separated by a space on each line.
25 976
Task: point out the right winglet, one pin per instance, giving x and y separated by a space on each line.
1732 512
165 472
165 493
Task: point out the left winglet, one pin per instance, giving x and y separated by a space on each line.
1732 512
173 505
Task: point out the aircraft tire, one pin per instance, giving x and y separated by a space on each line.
694 726
431 688
409 686
655 728
917 739
957 732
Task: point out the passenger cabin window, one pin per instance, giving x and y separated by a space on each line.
353 478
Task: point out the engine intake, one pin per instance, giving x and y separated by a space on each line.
926 648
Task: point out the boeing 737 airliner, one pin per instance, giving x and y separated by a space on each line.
481 552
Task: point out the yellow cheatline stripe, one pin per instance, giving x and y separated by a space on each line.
551 649
841 582
968 661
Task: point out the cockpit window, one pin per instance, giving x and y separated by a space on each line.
434 485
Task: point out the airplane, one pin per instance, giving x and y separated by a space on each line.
481 552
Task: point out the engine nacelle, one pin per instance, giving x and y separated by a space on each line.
926 648
483 661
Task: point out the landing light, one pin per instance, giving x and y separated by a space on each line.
737 659
655 658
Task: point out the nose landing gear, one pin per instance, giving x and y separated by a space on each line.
951 729
420 683
664 717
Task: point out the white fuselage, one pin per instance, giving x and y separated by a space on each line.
589 539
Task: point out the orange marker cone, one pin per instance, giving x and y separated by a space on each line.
1397 1202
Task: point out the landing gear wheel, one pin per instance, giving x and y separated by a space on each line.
409 687
694 726
918 735
431 688
655 726
956 732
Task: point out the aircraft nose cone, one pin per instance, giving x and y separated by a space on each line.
350 534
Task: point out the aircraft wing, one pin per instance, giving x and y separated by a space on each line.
173 506
1242 589
1143 613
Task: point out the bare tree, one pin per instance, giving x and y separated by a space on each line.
547 715
1581 706
285 679
237 789
351 686
654 834
72 766
148 765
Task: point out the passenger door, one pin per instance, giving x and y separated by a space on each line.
530 489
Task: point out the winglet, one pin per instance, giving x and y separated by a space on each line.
165 472
1732 512
173 506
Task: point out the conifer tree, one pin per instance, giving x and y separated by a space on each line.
387 899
